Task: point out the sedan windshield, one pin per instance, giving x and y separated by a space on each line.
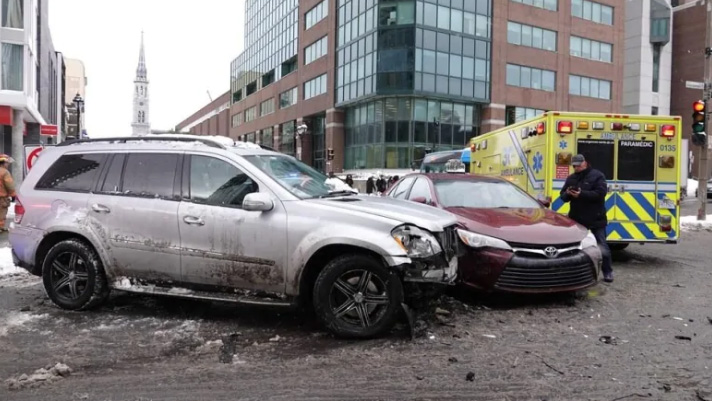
298 178
482 194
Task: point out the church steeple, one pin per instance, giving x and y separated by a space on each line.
140 124
141 72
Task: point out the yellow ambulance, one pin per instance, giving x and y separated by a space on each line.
639 155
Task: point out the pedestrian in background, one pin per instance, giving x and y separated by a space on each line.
7 189
586 190
370 185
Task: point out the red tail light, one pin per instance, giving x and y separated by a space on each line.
667 131
541 128
617 126
19 211
564 127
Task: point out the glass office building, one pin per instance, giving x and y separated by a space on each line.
410 76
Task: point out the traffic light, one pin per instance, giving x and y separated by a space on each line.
330 154
699 116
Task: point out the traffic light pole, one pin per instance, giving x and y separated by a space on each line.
703 175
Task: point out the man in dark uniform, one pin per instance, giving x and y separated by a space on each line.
586 189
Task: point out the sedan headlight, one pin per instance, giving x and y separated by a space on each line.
475 240
416 242
589 241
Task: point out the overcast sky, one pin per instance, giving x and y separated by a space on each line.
189 46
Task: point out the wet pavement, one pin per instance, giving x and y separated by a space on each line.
647 336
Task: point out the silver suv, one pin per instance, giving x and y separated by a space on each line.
209 218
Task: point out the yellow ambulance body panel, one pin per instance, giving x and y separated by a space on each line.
639 155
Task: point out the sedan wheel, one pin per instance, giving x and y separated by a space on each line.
356 296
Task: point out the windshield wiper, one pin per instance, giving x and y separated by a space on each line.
338 193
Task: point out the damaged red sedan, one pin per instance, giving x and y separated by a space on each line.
514 243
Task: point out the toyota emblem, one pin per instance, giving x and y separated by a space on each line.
551 252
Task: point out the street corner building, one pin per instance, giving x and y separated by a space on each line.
382 83
32 80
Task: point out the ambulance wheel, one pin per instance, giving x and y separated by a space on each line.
618 246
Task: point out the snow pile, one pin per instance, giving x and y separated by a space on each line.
15 319
692 185
691 223
7 267
45 375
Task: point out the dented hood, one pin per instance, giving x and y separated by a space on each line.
423 216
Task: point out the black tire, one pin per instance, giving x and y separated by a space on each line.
359 319
73 276
618 246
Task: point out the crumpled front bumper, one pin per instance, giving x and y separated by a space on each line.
436 269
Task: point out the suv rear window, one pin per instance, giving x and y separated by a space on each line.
72 173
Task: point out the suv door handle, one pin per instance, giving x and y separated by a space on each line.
192 220
102 209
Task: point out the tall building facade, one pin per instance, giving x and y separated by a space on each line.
648 57
383 82
688 64
30 74
141 124
212 119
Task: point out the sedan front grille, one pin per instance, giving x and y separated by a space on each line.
533 273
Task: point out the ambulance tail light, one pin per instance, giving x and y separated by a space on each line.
666 223
667 131
650 127
617 126
541 128
582 125
564 127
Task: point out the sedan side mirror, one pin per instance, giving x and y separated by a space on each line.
259 202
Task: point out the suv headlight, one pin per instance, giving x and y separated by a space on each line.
416 242
589 241
475 240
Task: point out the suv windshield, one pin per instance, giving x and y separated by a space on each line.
482 194
300 179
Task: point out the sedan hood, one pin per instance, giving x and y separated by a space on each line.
423 216
521 225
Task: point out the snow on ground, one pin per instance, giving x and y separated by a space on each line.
691 223
15 319
692 185
7 267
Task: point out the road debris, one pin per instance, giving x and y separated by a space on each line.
608 340
275 338
470 376
489 336
683 338
452 360
41 376
441 311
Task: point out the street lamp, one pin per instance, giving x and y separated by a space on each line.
301 130
79 105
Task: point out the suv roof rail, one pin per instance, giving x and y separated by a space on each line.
122 140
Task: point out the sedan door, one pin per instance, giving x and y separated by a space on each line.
222 244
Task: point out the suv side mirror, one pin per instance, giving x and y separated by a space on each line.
259 202
420 200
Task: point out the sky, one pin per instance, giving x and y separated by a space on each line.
189 46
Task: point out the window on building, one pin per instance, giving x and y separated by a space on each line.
526 35
250 114
656 67
289 66
251 88
591 49
654 110
315 87
316 50
216 182
529 77
515 114
236 119
12 14
592 11
589 87
316 14
267 107
12 66
545 4
75 173
288 98
267 138
268 78
150 175
396 13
